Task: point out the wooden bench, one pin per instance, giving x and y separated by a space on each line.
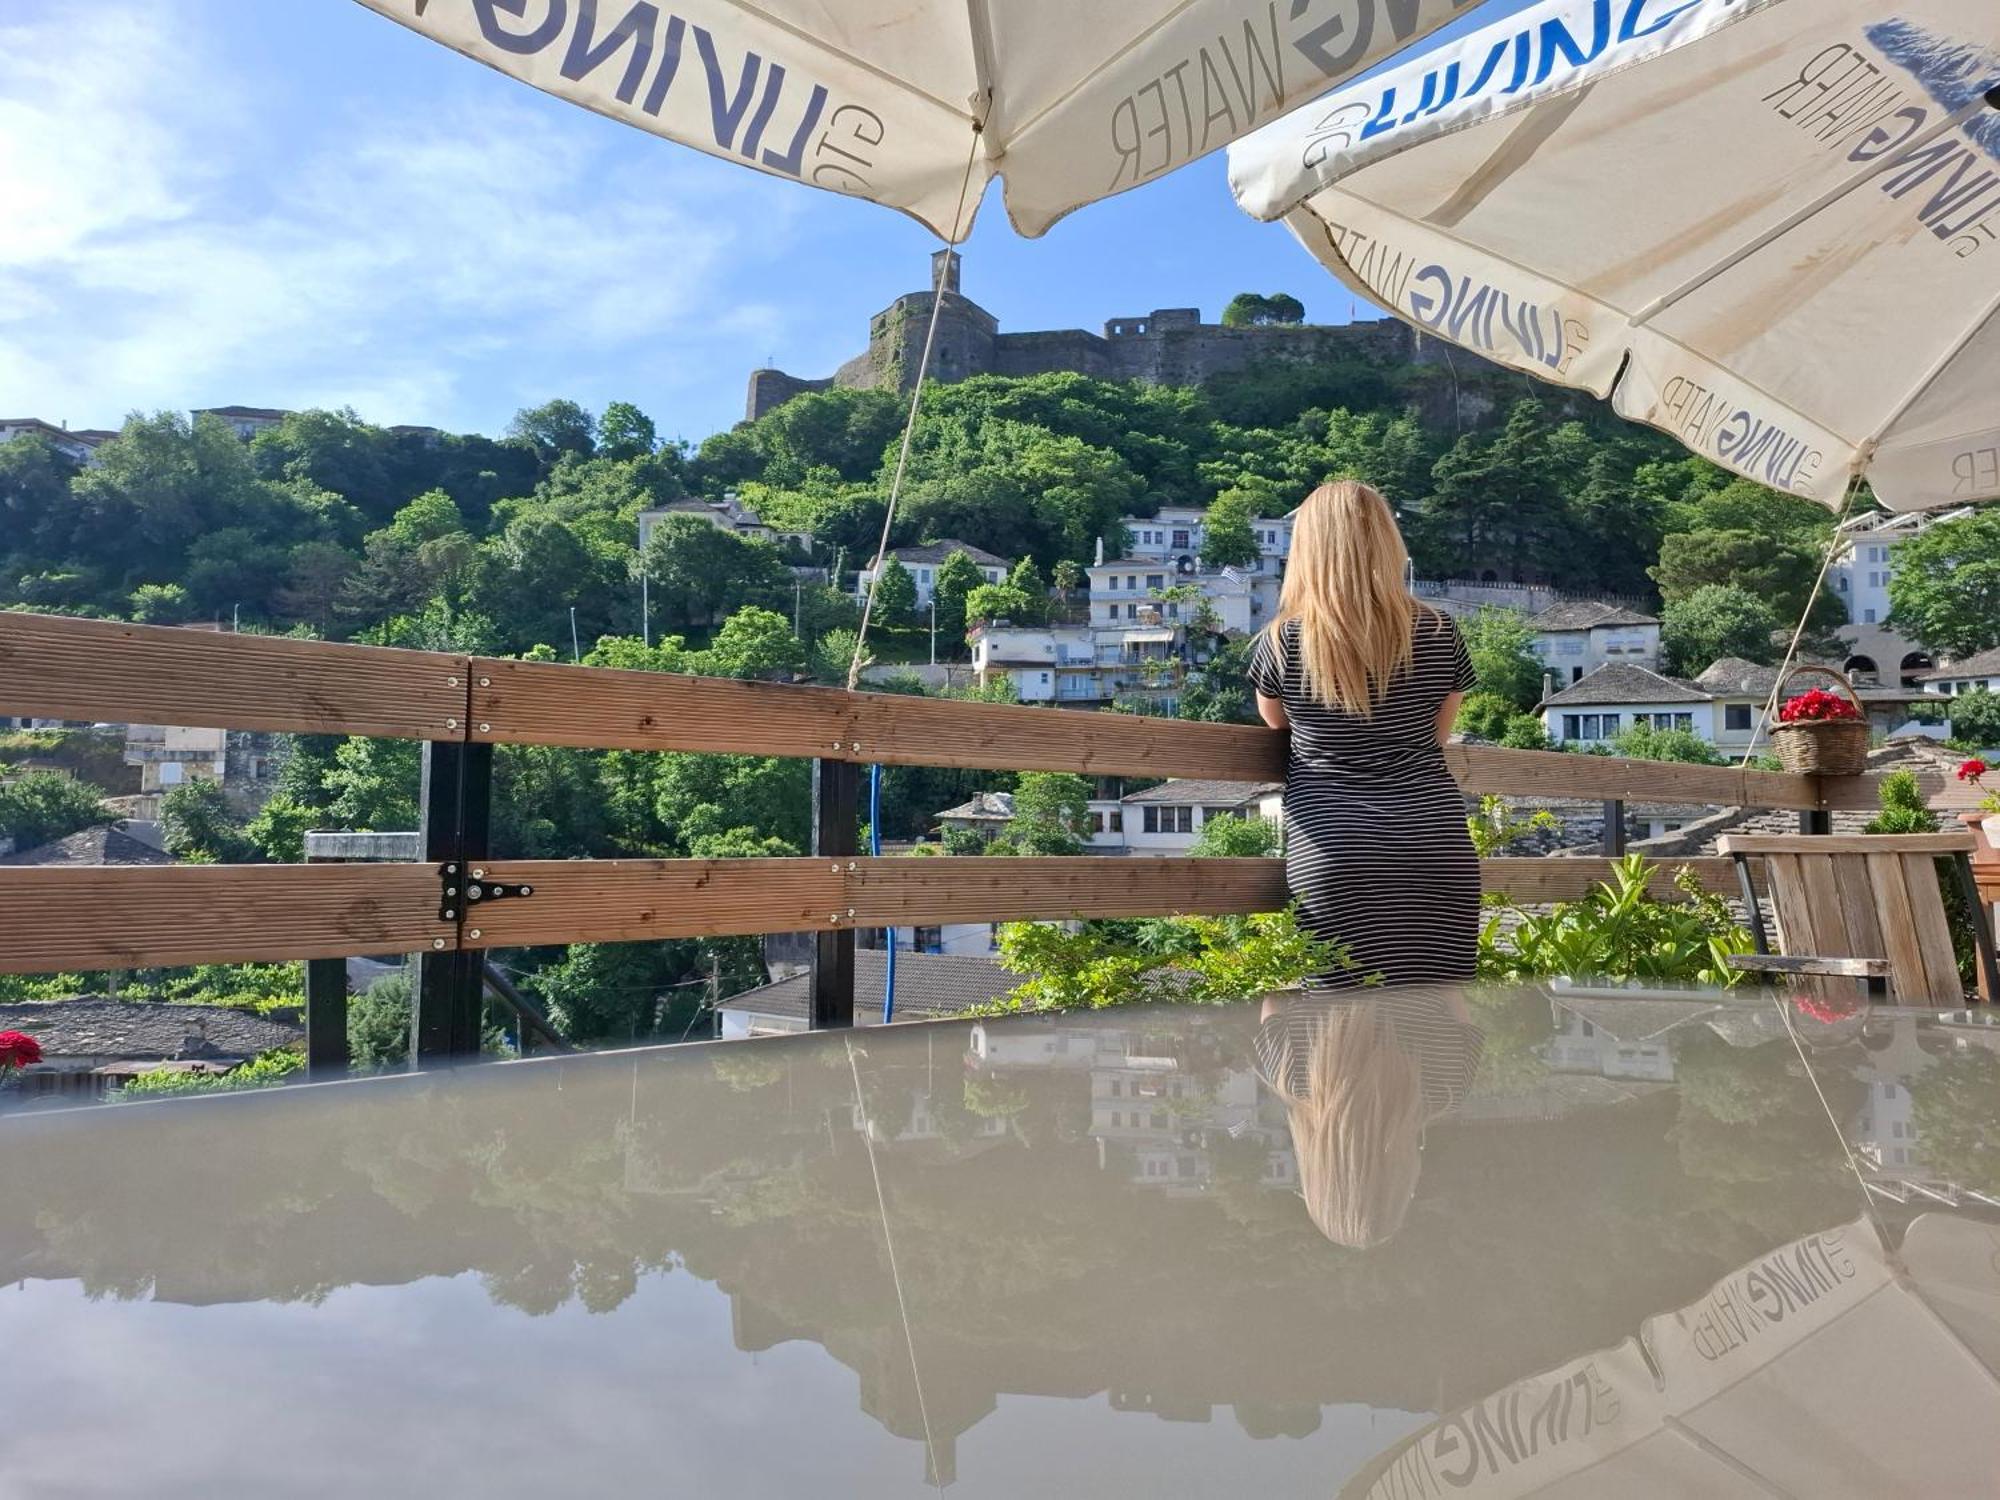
1864 906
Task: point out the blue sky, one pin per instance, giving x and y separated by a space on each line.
302 204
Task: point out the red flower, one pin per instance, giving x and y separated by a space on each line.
1817 707
1825 1009
1972 770
18 1049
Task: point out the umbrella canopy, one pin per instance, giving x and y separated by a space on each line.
1828 1367
879 98
1766 227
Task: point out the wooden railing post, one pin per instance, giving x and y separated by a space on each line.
836 788
326 1016
457 802
1614 828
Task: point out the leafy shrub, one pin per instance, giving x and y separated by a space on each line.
1903 807
1186 960
1524 732
1644 743
1619 931
1233 837
1495 828
272 1068
1484 715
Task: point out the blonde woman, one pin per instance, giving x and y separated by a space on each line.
1369 680
1361 1076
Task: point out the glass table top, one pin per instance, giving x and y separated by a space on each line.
1568 1241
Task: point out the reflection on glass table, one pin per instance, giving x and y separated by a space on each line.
1569 1240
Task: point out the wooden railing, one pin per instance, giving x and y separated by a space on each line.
460 706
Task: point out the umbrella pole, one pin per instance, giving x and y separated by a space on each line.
910 422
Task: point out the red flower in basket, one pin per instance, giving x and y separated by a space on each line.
1817 707
18 1049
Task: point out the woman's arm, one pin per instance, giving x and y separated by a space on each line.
1448 715
1272 711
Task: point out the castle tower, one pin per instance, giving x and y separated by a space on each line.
945 261
965 336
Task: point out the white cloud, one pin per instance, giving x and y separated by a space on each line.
182 233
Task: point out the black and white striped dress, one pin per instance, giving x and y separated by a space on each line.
1376 851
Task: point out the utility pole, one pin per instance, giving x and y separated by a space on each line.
798 594
646 608
933 627
575 650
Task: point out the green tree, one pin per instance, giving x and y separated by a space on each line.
1502 648
378 1023
372 785
625 432
555 428
1524 732
279 830
1645 743
895 594
1775 569
1051 813
998 601
701 572
161 604
1945 589
1227 539
1714 621
1252 310
1234 837
197 826
38 807
956 577
1027 578
1975 718
1957 1107
754 642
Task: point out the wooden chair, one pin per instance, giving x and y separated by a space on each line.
1863 906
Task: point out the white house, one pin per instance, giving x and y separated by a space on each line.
80 446
1174 534
1968 675
728 513
1128 589
1738 691
928 985
245 421
1576 637
1080 664
1859 575
1166 819
1620 696
923 561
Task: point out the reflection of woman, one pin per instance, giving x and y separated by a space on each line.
1361 1076
1368 680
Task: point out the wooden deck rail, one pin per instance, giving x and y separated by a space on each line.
56 919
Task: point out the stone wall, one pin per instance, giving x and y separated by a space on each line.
771 389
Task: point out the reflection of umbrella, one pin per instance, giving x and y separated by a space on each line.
880 98
1819 1369
1767 227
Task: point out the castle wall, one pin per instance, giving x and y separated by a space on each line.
771 389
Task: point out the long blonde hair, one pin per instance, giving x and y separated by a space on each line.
1358 1130
1346 585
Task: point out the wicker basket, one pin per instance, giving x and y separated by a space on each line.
1825 747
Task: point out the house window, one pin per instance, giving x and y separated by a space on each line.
1589 726
1183 819
1736 716
1131 611
1569 645
1152 820
1180 538
1210 814
1117 1090
1116 820
928 940
1868 617
1156 580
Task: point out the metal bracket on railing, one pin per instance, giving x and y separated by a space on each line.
453 892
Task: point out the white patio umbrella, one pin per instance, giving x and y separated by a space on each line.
882 98
1767 227
1829 1367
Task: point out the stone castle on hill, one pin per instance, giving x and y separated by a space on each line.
1171 346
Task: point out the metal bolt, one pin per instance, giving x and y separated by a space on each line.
451 723
478 874
473 933
850 911
527 890
486 682
854 745
850 866
449 914
473 894
833 916
485 728
451 682
836 869
451 869
437 942
451 890
836 744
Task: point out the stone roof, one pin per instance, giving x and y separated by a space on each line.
1621 682
105 844
145 1030
1201 793
937 552
1733 677
927 985
993 805
1587 614
1985 664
